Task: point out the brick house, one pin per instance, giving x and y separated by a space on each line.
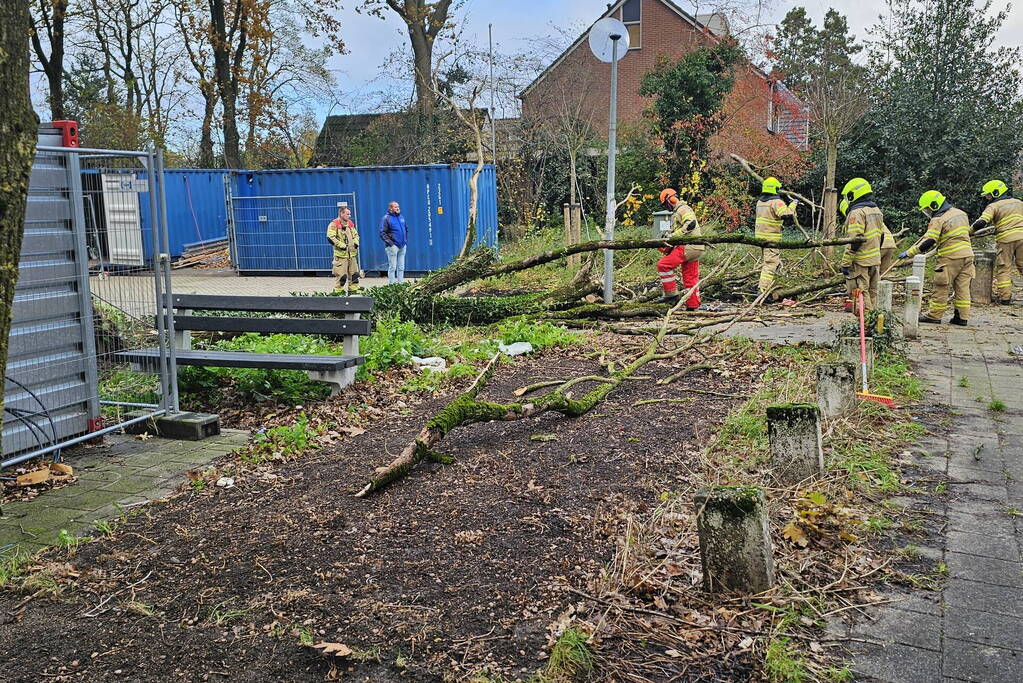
764 122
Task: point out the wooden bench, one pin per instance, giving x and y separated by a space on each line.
339 371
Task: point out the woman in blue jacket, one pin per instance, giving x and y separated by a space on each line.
394 233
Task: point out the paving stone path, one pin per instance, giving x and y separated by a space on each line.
110 479
972 628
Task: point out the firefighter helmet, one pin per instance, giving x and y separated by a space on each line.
994 188
931 201
771 185
856 188
667 194
843 206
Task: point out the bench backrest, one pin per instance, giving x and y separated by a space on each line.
274 304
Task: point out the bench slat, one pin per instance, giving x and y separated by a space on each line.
273 325
275 304
150 359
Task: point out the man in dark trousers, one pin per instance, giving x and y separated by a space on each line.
394 233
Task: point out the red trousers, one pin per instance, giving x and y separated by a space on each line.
690 274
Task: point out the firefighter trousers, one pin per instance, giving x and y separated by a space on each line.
345 269
1010 257
768 272
865 279
955 275
690 274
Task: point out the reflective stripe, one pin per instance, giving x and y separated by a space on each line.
954 248
770 236
1006 219
768 221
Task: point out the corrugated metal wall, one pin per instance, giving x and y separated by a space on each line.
281 216
196 209
51 344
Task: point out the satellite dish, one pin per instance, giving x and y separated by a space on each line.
604 34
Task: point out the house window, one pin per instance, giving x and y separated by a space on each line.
631 17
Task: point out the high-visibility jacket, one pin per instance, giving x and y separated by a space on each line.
1006 214
771 212
864 220
684 224
887 238
949 231
344 237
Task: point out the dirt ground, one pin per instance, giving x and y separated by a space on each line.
457 569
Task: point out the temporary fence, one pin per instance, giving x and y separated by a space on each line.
84 293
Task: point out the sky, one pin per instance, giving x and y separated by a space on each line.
371 40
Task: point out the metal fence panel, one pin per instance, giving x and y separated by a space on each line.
86 291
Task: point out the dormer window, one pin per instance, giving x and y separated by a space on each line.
631 15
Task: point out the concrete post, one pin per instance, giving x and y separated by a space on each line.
797 452
848 349
919 267
735 544
914 299
884 295
980 288
836 388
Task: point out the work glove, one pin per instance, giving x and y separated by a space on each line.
903 255
845 271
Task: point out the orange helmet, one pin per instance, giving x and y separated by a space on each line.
667 194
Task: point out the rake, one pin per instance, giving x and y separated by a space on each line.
866 395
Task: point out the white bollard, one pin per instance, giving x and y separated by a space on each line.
914 297
884 296
919 267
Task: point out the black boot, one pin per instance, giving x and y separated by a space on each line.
1005 302
928 319
668 299
956 320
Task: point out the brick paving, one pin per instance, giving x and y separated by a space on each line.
110 478
972 628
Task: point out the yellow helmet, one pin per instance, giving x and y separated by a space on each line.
995 188
843 206
931 201
771 185
856 188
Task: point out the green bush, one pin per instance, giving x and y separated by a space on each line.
393 342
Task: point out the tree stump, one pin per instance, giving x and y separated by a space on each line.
735 544
836 388
794 431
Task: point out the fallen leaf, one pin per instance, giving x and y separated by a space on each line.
745 643
543 437
353 431
815 646
795 533
673 653
333 649
143 436
533 486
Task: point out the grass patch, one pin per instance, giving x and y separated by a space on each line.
782 665
996 406
571 658
12 567
285 440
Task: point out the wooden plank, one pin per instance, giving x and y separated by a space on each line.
149 359
275 304
37 477
273 325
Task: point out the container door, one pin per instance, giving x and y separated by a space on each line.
122 218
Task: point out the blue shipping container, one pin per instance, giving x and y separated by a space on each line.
281 216
196 209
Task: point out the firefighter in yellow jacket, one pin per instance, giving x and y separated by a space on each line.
1005 213
948 233
772 212
685 257
344 237
861 263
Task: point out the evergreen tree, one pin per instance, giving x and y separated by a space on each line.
947 112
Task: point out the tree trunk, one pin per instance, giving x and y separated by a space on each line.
474 181
206 158
572 155
227 57
830 194
53 65
18 125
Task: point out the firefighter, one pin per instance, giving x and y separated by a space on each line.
771 213
888 244
1005 213
948 232
861 263
686 256
344 237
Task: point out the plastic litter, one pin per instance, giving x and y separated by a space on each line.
516 349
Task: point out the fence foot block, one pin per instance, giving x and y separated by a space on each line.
182 426
735 545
